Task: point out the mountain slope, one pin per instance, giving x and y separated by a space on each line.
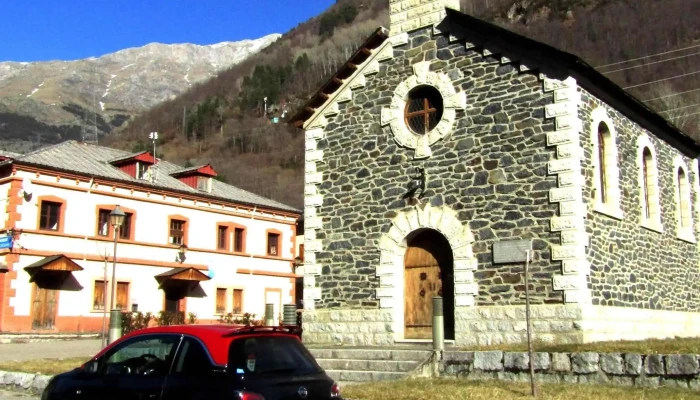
45 102
224 117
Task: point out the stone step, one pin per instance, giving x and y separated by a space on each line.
371 354
368 365
348 376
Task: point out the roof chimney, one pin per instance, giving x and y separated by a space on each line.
409 15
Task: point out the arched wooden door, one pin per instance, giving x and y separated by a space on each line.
428 272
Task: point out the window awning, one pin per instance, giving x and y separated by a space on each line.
184 275
57 262
54 272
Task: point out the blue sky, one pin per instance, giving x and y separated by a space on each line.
41 30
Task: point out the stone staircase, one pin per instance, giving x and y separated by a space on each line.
351 365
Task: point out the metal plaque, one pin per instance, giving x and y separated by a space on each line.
511 251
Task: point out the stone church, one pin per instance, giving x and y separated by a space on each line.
443 140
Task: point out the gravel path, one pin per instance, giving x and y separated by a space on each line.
54 349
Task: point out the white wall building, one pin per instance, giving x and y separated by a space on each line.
240 247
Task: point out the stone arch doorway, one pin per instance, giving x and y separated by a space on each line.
393 245
428 272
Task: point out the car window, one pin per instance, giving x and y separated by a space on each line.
265 355
192 359
149 355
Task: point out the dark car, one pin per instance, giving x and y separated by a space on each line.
199 362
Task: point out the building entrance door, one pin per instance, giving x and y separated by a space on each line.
428 272
44 302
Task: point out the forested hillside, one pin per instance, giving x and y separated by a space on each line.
226 120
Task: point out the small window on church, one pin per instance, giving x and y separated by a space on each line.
423 109
603 135
683 199
647 161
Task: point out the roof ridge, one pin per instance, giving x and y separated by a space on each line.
47 148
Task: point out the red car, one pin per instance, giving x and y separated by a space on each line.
199 362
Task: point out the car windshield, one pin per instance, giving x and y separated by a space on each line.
270 355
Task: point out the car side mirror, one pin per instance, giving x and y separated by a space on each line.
91 366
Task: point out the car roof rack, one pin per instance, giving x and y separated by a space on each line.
263 329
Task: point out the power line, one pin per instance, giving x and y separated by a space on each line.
686 115
649 56
652 63
661 80
671 95
680 108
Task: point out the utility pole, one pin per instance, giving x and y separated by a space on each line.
184 124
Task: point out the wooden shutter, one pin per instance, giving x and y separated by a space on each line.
272 244
220 301
122 295
237 301
238 240
222 238
98 296
125 229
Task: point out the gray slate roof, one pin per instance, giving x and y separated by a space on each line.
92 160
9 154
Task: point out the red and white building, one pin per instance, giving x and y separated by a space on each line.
240 247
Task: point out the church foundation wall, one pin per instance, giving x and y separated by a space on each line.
603 323
474 326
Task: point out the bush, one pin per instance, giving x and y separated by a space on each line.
246 319
166 318
135 320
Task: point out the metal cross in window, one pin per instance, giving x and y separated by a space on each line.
418 114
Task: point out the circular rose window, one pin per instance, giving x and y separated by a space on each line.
423 109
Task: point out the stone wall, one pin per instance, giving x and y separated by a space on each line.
491 169
676 370
632 265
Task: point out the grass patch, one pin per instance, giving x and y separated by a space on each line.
452 389
50 366
649 346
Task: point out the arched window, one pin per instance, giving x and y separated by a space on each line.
647 161
606 173
649 185
603 137
683 199
684 215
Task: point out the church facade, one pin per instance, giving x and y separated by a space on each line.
445 138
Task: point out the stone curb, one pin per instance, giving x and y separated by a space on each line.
22 381
7 339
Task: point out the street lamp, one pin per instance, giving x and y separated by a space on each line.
116 218
297 263
181 253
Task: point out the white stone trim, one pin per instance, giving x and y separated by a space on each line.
393 247
394 114
654 221
684 229
356 81
573 279
312 200
409 15
695 196
612 172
